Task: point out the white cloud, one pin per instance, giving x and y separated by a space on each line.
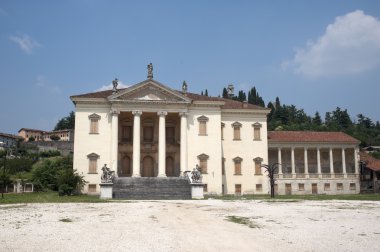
110 86
26 43
43 83
350 45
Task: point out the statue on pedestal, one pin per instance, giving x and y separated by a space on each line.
107 175
150 71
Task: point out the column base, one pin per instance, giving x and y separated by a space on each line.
161 175
136 175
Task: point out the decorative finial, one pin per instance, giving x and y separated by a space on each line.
150 71
114 83
184 87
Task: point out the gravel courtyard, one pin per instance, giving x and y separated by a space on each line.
203 225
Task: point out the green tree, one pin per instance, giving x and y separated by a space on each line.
54 137
225 93
317 120
67 122
206 92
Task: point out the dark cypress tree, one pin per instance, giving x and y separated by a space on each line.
225 93
206 93
317 120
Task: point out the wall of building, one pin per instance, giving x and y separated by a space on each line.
209 144
246 148
87 143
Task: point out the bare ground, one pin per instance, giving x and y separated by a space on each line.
204 225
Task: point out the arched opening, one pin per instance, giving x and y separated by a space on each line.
125 168
147 167
169 166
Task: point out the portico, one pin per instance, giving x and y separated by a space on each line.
149 144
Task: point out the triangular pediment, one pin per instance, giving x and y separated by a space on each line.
149 90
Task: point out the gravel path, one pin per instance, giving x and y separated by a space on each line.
192 226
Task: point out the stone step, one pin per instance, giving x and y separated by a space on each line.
151 188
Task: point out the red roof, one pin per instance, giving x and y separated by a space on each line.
310 136
228 103
370 162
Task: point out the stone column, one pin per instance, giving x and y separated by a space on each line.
306 165
114 139
344 163
161 144
183 165
136 144
356 153
280 162
331 162
293 163
319 162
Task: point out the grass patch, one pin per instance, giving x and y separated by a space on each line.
243 221
66 220
295 198
47 197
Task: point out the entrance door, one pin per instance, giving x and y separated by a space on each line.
288 189
314 188
125 169
148 167
169 167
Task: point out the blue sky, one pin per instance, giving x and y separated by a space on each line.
317 55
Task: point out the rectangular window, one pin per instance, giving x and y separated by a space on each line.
170 135
203 165
204 187
202 128
256 134
301 187
352 186
236 133
237 189
92 188
237 168
259 187
327 186
258 168
94 127
93 165
148 134
127 133
339 186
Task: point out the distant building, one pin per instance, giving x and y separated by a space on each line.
370 173
40 135
8 140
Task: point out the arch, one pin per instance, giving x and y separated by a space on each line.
125 167
147 167
169 166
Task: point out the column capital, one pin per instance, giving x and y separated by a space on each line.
162 113
183 114
136 112
114 111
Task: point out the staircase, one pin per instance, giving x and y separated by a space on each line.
151 188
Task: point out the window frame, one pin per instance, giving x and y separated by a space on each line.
236 131
93 160
258 161
203 158
202 125
257 128
94 123
237 165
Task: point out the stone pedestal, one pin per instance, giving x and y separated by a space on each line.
106 190
196 190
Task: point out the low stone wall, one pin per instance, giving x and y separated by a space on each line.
64 147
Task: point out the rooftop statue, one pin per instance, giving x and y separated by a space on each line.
150 71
